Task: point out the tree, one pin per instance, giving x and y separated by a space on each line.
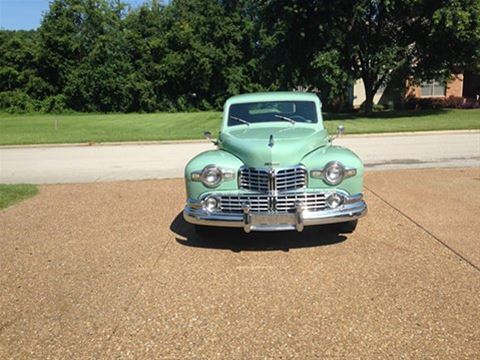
207 56
19 64
390 37
146 47
101 55
374 40
83 54
301 45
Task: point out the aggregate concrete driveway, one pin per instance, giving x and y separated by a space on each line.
110 270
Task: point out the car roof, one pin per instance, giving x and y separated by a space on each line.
272 96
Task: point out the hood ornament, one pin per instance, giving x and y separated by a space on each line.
270 141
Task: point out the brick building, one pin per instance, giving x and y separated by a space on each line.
466 85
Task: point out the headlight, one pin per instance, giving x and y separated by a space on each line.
334 200
210 203
333 173
211 176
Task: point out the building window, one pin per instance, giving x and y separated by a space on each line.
432 88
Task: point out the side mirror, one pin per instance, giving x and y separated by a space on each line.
208 135
340 132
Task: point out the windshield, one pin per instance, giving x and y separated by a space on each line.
259 112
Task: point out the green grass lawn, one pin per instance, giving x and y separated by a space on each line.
78 128
11 194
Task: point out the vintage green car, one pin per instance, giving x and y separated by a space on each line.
274 168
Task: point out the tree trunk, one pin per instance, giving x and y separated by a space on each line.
369 93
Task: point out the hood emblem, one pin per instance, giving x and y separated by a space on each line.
271 142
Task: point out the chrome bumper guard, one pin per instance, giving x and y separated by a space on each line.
353 208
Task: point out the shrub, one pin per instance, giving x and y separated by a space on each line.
205 105
471 104
9 78
375 107
429 103
16 102
55 104
453 102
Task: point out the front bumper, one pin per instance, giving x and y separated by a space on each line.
353 209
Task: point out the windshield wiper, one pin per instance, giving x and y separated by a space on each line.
291 121
240 120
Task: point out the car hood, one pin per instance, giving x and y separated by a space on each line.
275 146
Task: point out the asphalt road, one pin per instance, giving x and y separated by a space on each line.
75 164
110 270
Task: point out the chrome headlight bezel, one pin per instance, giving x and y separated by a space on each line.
334 200
209 171
343 172
221 175
210 203
334 168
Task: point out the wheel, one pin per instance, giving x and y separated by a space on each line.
346 227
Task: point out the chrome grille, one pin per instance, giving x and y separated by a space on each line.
311 201
254 179
265 203
234 203
290 179
265 180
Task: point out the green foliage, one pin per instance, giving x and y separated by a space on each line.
55 104
334 78
103 56
375 40
16 101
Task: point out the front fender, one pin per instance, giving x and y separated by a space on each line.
320 157
222 159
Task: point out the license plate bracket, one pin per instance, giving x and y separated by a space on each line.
272 219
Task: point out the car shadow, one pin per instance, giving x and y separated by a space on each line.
237 240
